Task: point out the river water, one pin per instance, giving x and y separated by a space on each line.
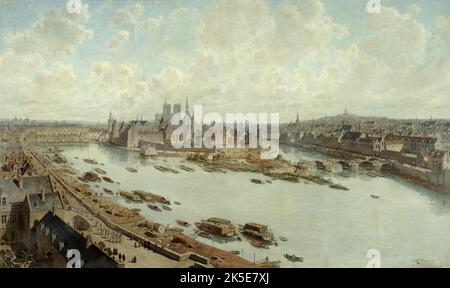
327 227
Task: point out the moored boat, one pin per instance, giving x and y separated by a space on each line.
108 191
257 231
90 161
129 196
107 179
186 168
100 171
293 258
125 194
161 168
217 226
90 176
160 199
371 174
204 234
132 170
166 169
208 170
173 171
165 207
154 207
183 223
259 244
256 181
142 194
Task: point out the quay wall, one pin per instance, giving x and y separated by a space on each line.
148 243
411 168
410 171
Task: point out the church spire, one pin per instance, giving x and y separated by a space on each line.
186 109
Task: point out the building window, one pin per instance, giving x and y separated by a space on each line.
14 218
3 201
4 219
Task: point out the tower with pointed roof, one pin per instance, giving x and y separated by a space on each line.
110 122
186 108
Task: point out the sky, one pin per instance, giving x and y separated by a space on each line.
312 57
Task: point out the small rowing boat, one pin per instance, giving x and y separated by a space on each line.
183 223
108 191
154 207
107 179
165 207
100 171
293 258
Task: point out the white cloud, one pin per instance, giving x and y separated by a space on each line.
119 87
243 55
128 14
414 9
252 58
173 57
55 32
400 69
152 24
243 50
119 39
29 87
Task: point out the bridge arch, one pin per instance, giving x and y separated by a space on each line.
344 165
367 165
386 167
320 165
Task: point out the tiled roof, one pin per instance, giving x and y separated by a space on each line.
63 238
10 190
352 136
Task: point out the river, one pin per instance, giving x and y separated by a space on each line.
327 227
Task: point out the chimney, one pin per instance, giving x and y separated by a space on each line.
43 195
20 181
87 241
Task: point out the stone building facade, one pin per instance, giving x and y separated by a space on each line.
24 200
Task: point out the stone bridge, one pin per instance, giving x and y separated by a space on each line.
370 164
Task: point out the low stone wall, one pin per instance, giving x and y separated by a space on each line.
199 259
441 179
410 171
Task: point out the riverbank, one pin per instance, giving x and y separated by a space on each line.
276 169
416 175
327 227
127 222
246 161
